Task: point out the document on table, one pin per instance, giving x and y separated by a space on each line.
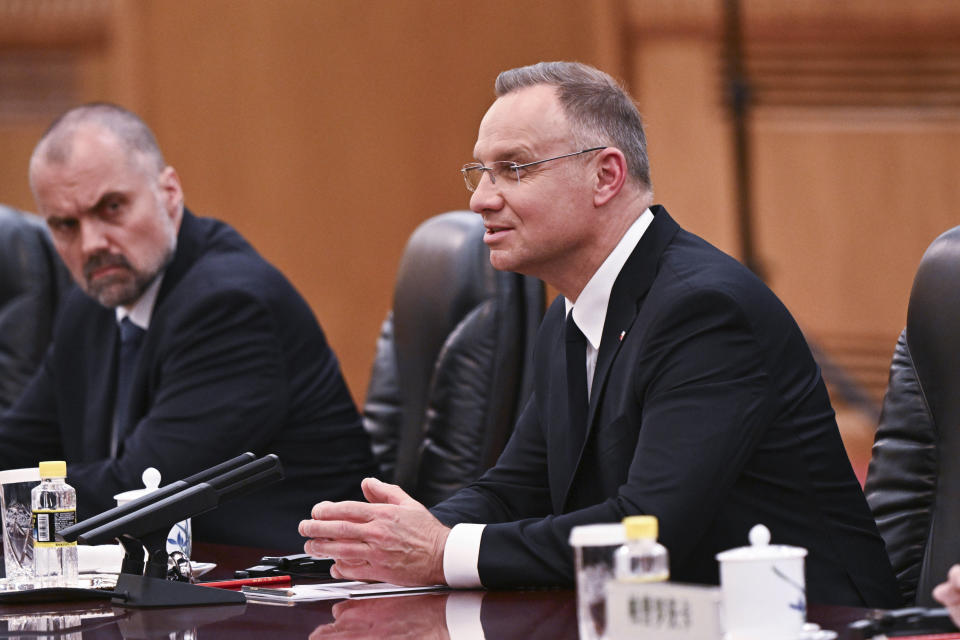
333 590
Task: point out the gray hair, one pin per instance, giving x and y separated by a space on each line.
599 109
56 144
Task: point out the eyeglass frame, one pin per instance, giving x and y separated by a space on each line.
479 166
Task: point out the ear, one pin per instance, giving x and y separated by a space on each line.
611 175
172 194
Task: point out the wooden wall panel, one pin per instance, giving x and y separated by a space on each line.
324 130
674 83
854 129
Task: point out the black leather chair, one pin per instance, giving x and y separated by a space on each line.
452 365
32 282
913 482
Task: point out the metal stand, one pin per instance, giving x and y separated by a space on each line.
148 586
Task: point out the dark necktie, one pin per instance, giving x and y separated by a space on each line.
577 378
131 336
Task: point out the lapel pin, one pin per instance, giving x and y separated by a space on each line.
622 333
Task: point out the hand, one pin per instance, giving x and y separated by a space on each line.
391 538
415 617
948 593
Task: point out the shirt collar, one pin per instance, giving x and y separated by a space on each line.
141 312
590 309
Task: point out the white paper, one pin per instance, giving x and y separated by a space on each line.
333 590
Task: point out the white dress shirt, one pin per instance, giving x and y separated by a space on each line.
462 550
141 311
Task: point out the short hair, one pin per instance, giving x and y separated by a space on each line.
599 109
56 144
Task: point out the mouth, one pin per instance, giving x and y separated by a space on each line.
103 265
106 271
495 232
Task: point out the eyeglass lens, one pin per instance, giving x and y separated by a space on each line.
500 170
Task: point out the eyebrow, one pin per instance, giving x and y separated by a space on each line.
102 201
510 155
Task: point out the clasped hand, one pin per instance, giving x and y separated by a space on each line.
948 594
390 538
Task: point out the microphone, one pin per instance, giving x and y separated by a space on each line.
159 515
72 533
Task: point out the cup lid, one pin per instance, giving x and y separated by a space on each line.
29 474
151 480
598 535
761 549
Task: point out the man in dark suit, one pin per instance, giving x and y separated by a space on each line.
180 348
668 380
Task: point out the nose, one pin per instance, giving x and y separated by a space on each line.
486 197
92 237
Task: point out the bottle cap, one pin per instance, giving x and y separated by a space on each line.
597 535
641 527
53 469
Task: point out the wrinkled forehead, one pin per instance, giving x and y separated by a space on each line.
94 165
522 125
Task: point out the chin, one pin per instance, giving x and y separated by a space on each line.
115 296
501 261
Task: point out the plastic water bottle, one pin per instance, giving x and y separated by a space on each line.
642 558
54 505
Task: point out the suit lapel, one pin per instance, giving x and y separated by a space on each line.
190 241
188 249
626 299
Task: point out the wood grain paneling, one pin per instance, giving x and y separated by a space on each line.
324 130
853 133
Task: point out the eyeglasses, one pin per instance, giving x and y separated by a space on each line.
506 170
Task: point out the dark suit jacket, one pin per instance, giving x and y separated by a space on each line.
710 413
233 361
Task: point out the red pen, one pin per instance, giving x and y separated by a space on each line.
236 584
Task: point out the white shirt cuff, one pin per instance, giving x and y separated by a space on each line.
463 615
461 555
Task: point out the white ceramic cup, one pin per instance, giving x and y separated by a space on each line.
180 536
763 589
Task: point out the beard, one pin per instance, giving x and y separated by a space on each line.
124 286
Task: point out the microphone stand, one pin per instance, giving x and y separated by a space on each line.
145 523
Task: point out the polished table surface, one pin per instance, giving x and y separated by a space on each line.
526 615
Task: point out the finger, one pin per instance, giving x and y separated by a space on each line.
953 576
946 594
323 631
334 529
376 491
304 528
347 563
348 552
361 571
346 510
317 508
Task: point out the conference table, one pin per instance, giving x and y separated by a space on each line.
507 615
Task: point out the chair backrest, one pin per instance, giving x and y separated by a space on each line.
32 282
913 483
452 366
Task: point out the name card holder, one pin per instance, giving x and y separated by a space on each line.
663 611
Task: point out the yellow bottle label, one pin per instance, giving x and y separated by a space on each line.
47 525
